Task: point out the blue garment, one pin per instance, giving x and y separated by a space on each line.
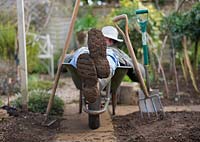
76 54
115 57
111 57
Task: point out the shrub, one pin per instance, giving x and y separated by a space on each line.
85 23
33 62
40 84
7 41
35 83
38 101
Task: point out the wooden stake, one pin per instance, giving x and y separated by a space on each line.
22 54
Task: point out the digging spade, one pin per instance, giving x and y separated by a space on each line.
71 26
148 100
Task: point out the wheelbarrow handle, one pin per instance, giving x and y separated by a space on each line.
131 52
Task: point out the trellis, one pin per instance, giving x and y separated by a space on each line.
46 50
37 15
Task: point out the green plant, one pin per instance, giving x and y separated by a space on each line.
35 83
180 27
193 22
35 65
57 58
33 62
38 101
129 7
126 7
162 2
8 16
182 24
175 26
7 41
193 32
127 79
155 24
85 23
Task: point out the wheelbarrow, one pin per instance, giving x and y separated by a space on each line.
94 109
101 105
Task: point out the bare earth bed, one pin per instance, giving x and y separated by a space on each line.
27 127
175 127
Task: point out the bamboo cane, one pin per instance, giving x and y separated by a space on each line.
184 43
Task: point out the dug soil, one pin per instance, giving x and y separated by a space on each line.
182 126
175 127
179 126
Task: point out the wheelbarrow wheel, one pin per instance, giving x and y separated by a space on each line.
94 120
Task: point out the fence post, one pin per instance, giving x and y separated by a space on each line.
22 53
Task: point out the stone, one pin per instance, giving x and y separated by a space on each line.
127 93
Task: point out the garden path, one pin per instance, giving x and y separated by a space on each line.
74 126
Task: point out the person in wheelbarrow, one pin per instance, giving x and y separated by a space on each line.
98 62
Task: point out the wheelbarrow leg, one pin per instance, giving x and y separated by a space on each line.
114 102
114 98
80 102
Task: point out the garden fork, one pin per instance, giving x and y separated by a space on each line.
149 101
